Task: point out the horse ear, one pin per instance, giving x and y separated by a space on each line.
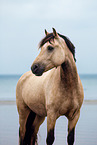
55 33
46 33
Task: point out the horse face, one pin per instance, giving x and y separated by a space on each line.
52 55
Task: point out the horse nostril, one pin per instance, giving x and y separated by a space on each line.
34 68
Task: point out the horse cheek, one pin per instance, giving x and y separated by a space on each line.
58 58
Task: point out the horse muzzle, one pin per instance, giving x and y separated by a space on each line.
37 69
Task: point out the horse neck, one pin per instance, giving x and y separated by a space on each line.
68 71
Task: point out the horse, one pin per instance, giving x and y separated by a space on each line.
52 88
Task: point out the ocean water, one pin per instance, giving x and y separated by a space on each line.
8 87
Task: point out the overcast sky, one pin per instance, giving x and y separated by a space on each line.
22 24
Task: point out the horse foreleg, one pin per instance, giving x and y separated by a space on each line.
51 119
23 111
26 119
71 129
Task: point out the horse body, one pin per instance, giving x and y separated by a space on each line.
57 92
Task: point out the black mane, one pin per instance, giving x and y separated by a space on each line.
50 37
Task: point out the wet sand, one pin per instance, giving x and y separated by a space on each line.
86 129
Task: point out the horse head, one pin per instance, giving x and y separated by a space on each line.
52 54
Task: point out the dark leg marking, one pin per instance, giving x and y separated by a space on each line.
50 137
21 141
29 129
70 137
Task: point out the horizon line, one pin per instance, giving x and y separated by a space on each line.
23 73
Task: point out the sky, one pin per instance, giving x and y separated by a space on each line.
22 25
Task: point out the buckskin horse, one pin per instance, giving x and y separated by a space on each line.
52 88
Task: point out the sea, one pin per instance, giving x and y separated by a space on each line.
86 129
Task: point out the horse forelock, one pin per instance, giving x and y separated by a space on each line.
46 39
50 37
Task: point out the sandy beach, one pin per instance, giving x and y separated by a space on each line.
86 129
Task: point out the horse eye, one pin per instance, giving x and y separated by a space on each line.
50 48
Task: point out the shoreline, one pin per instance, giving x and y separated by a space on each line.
13 102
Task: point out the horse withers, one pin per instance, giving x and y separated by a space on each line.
52 88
